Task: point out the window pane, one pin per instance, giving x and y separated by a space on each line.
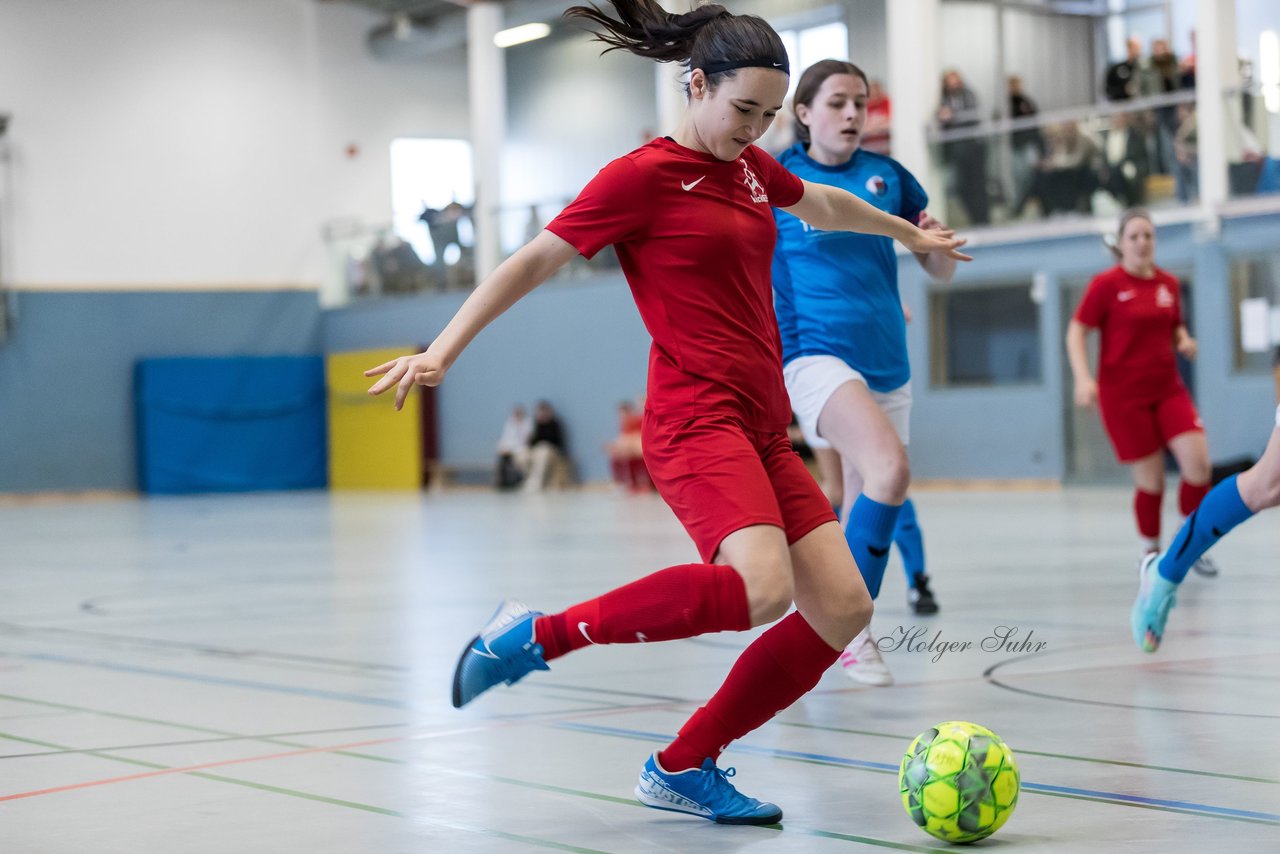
1256 279
984 337
428 173
829 41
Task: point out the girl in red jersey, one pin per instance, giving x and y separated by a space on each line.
1145 407
691 218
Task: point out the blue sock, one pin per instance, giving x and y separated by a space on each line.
910 542
1221 510
870 534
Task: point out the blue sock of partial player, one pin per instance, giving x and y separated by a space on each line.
909 541
869 534
1220 511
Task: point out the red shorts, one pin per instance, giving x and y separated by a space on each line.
719 477
1140 428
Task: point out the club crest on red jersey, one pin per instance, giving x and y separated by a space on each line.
1164 297
753 185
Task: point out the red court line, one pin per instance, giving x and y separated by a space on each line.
186 769
189 768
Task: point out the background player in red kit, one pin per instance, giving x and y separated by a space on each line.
1145 407
691 219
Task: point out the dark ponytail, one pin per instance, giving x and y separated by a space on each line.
709 37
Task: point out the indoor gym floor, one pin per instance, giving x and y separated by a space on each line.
270 673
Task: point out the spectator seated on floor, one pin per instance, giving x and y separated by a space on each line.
626 458
513 448
549 466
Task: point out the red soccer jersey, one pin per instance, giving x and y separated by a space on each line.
1137 318
695 236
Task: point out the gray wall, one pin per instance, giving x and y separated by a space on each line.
579 344
1021 431
66 371
582 346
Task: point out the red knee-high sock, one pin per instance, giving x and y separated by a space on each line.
677 602
771 674
639 473
1146 507
619 467
1190 495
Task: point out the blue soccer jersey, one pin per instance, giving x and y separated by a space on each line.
836 292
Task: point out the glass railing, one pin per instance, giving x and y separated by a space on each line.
1071 164
377 260
372 260
1081 163
518 224
1253 141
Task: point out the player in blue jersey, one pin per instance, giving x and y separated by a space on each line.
1228 504
844 341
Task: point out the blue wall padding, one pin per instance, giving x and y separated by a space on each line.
237 424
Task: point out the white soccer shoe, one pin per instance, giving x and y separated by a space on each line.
863 663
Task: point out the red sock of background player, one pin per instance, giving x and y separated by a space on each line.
1146 508
1190 495
771 674
677 602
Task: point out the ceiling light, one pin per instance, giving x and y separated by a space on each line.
521 34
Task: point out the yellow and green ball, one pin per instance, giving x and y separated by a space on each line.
959 781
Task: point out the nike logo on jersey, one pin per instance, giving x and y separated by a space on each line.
582 627
688 187
1125 296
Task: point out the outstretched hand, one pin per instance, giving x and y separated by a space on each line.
933 236
405 372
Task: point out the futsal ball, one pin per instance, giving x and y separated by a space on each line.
959 781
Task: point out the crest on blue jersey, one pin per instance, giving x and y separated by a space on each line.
876 184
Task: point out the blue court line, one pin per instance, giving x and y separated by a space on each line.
220 680
318 693
1203 809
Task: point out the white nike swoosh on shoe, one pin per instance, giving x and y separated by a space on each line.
582 627
484 653
688 187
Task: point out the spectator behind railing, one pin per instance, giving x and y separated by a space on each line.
1160 77
1067 176
1126 160
1186 153
1120 84
1027 146
443 226
967 157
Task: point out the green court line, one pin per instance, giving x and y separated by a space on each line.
907 740
884 843
226 735
632 802
310 796
1091 798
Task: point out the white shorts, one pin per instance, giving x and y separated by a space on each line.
811 380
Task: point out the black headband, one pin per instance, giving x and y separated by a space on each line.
717 67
